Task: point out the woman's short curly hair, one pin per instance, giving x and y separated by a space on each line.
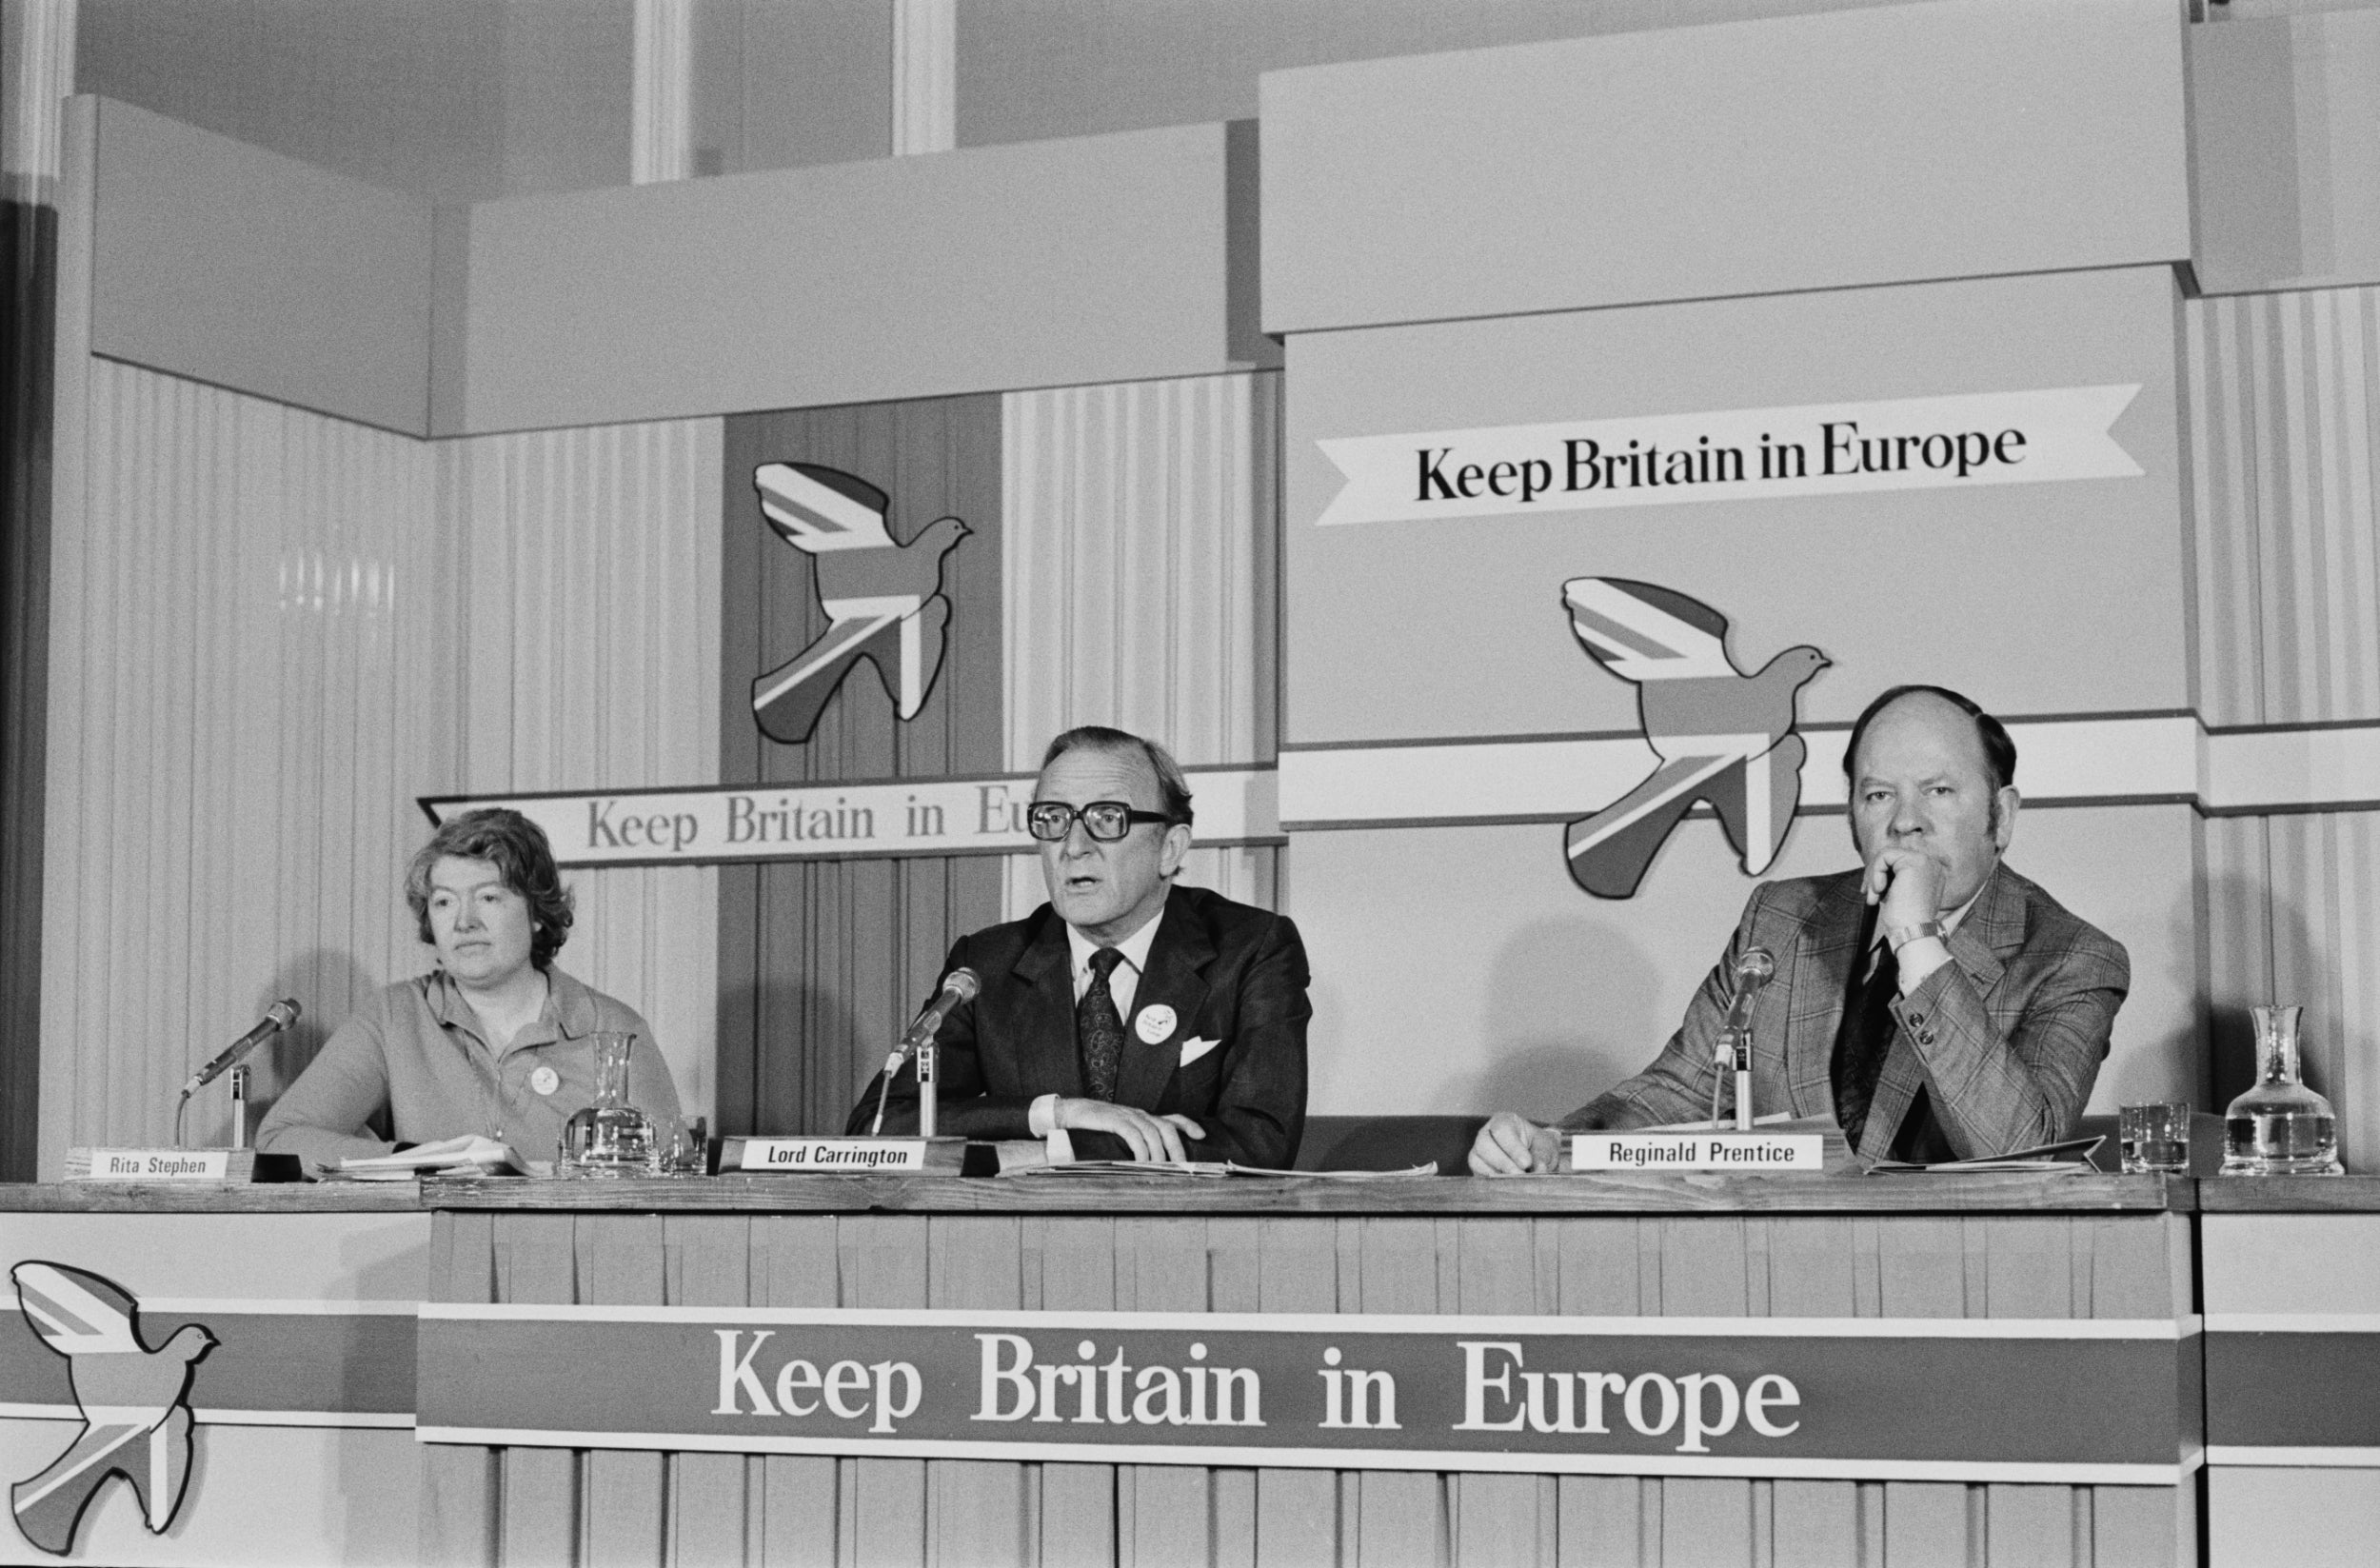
515 847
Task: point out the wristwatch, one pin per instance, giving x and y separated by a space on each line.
1903 936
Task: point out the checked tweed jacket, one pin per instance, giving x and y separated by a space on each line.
2006 1038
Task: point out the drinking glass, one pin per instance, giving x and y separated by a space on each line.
2154 1137
687 1149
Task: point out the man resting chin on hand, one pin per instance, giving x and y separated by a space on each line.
1936 1003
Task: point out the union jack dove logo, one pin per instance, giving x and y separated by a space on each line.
1723 736
884 600
135 1403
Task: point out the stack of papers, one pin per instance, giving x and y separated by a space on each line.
1202 1168
2072 1158
470 1155
1122 1167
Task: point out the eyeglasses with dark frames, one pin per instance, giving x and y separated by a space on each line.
1106 820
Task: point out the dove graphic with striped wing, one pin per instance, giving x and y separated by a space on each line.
1722 736
884 600
134 1401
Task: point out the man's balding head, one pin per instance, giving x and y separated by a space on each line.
1997 751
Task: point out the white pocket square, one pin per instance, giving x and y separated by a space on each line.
1194 1048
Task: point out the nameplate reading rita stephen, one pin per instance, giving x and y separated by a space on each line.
1697 1151
215 1166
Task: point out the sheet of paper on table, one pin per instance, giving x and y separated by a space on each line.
470 1155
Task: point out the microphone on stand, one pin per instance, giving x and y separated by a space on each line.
1752 970
277 1017
960 986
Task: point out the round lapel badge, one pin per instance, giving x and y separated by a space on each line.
1155 1024
545 1081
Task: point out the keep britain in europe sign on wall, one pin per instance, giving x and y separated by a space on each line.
1748 454
1742 1396
727 823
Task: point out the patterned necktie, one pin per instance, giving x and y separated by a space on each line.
1863 1041
1098 1032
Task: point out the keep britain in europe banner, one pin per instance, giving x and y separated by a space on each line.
723 823
1740 454
1738 1396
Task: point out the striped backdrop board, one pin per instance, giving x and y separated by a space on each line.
2283 407
2284 427
1119 568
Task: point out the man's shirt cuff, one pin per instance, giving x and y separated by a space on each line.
1919 960
1042 1117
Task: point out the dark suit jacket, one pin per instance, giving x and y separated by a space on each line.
2005 1039
1231 973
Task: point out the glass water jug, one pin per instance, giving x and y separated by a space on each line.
2279 1127
611 1137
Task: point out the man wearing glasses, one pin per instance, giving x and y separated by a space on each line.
1146 1021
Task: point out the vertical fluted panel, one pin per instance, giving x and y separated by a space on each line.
926 77
661 109
273 633
229 781
2284 435
823 962
589 660
1141 573
2294 917
1141 564
36 71
2284 432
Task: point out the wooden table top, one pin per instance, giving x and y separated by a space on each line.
1609 1194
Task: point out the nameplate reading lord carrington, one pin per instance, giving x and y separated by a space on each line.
1626 1395
844 1156
1697 1151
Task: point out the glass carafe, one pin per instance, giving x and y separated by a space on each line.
2279 1127
611 1137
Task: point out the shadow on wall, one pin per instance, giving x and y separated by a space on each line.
2172 1062
1572 1010
2192 1052
328 985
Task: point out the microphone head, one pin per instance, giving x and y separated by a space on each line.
284 1012
962 983
1758 964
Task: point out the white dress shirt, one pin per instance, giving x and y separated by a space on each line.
1123 984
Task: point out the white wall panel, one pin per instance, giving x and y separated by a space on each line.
1142 530
272 632
1142 527
230 777
588 647
2284 426
2283 411
2293 918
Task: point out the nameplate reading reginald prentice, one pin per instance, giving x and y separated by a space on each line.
1697 1151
